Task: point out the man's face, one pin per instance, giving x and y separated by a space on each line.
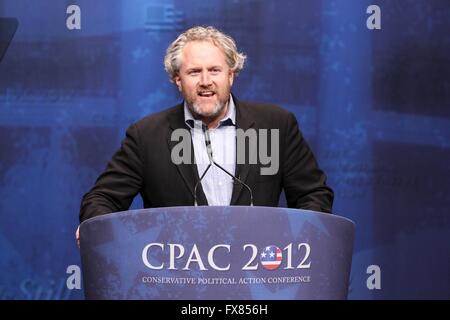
205 79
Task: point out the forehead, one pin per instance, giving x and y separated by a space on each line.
202 53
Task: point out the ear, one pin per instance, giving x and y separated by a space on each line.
177 81
231 77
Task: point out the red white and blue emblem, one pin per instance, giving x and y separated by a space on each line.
271 257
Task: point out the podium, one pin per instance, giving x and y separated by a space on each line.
216 253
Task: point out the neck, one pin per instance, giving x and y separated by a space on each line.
213 122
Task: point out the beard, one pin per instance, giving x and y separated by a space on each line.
198 111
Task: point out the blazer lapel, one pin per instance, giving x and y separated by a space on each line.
187 171
243 121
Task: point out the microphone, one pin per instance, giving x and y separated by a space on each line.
212 162
198 182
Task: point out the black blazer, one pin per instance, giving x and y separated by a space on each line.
143 165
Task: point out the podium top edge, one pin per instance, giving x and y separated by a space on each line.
107 216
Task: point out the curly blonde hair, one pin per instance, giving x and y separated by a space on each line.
172 60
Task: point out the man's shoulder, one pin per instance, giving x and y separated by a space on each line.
160 118
264 110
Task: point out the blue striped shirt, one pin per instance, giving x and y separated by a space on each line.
216 184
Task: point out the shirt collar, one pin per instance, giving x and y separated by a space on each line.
228 120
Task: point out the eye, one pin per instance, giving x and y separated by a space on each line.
193 72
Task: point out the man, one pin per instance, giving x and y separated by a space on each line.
203 62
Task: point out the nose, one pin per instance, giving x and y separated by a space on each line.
205 79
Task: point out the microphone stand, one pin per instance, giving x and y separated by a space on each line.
212 162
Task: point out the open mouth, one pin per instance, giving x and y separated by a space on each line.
206 94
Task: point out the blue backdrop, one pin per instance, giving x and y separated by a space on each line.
374 105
